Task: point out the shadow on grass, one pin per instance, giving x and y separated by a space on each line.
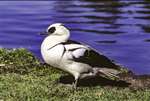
68 79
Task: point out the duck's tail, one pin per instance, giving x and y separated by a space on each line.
107 73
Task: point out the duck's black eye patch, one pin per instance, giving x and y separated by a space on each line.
52 30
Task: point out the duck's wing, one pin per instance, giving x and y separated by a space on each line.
85 54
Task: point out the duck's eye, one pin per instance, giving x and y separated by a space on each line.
52 30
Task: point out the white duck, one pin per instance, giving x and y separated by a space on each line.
73 57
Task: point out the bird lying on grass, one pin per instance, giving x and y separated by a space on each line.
78 59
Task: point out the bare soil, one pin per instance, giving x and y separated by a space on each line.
127 80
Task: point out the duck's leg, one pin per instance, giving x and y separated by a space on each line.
75 83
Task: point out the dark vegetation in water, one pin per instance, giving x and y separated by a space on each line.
23 76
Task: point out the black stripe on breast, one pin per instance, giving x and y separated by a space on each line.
63 52
52 46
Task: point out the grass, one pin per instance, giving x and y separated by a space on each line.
24 78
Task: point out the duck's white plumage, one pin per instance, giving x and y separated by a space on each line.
78 59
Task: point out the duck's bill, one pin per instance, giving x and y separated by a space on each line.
43 33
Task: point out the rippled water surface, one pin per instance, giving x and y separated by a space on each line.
118 28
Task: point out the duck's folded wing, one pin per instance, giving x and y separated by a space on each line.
84 54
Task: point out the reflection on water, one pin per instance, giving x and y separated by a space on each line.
119 29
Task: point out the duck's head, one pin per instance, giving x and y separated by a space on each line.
57 29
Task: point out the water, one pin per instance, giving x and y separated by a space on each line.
120 29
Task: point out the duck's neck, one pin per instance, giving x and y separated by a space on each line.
52 40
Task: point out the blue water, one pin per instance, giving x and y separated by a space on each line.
120 29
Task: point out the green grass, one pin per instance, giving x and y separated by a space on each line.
24 78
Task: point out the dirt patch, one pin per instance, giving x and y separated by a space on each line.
136 81
127 80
